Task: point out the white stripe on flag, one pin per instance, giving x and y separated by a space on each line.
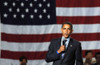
12 46
45 29
86 45
90 45
30 62
77 11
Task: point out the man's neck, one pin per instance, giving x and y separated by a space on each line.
65 37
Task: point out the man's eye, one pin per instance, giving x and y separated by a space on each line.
64 28
69 28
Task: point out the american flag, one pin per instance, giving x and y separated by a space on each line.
27 26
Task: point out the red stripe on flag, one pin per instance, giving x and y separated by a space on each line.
28 38
47 37
79 19
77 3
31 55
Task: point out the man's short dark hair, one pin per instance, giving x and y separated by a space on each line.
97 53
22 57
67 23
88 51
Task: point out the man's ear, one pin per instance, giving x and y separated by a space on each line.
72 30
61 29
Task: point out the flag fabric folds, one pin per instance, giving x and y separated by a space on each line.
27 26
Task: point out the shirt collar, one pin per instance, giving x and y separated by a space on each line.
63 38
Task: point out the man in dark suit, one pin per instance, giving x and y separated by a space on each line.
97 56
65 50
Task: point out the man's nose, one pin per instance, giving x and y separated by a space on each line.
66 30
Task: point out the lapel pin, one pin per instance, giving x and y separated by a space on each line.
70 45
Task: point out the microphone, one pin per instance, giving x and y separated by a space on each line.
64 41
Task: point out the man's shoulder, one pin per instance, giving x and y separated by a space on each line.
56 39
75 41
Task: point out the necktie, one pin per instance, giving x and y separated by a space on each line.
64 42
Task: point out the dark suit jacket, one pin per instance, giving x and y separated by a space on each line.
95 64
72 53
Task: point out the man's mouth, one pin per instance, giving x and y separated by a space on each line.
66 33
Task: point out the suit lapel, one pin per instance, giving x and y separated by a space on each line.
58 43
70 44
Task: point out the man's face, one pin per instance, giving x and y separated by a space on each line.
23 62
66 30
98 58
89 55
